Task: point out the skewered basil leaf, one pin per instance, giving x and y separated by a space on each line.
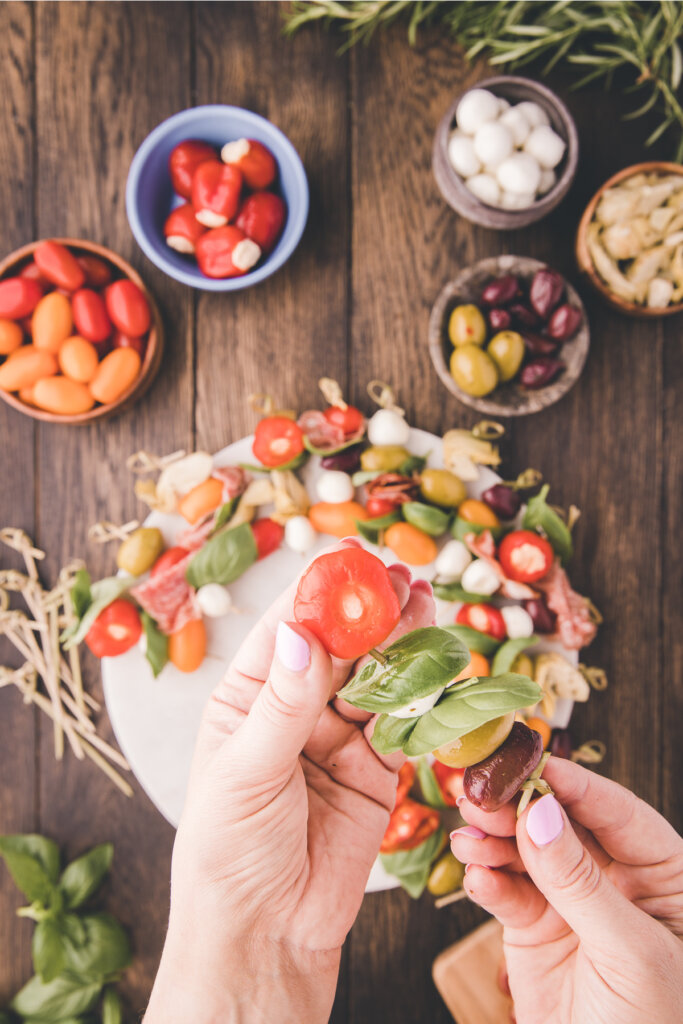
427 518
539 513
505 655
473 639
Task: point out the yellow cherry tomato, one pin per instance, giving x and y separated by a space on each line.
202 499
52 322
78 359
25 366
62 396
409 544
187 646
336 518
115 374
474 511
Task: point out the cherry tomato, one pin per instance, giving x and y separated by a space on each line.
204 498
115 630
262 217
78 359
411 545
19 296
128 308
169 558
115 374
97 272
478 512
268 536
525 556
226 252
90 315
350 419
184 161
277 440
62 395
187 646
256 163
182 229
31 272
485 618
120 340
25 366
450 782
478 665
52 322
540 726
216 189
337 518
406 777
347 600
376 507
409 825
59 266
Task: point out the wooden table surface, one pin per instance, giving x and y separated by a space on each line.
83 85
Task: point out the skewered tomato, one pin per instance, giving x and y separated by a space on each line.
255 161
525 556
226 252
19 297
169 558
268 536
450 782
115 630
376 507
277 440
411 545
409 825
478 665
128 308
204 498
483 617
59 266
187 646
350 419
337 518
184 161
478 512
262 217
90 315
406 777
216 191
182 229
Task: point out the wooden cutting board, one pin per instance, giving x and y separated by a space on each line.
466 976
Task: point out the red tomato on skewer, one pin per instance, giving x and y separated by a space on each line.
277 440
525 556
268 536
169 558
409 825
350 419
450 782
406 777
115 630
485 618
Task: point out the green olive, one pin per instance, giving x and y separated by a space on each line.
507 351
384 458
523 665
442 487
139 552
476 745
446 875
467 326
473 370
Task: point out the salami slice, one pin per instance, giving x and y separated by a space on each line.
319 431
575 627
194 536
169 598
234 480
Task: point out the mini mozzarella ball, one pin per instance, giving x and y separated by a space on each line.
545 146
515 121
452 561
520 174
388 427
493 142
462 156
485 188
418 707
480 578
503 105
522 201
333 486
476 107
299 534
518 622
548 181
534 114
214 600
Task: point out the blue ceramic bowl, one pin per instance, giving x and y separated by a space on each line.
150 196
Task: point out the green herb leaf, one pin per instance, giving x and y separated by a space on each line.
431 790
33 863
83 876
416 665
105 951
454 592
225 514
47 949
539 514
427 518
507 652
223 558
372 528
294 463
364 476
103 593
391 734
473 702
322 452
66 996
473 639
461 527
111 1007
73 929
80 593
412 867
428 735
156 649
414 464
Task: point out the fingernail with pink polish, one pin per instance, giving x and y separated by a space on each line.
544 821
292 650
351 542
469 830
461 800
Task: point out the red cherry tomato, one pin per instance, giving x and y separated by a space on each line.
128 308
182 229
226 252
268 536
18 297
376 507
90 315
485 618
216 189
59 266
525 556
347 600
31 272
120 340
409 825
262 217
115 630
350 419
97 272
255 162
277 441
184 161
169 558
450 782
406 777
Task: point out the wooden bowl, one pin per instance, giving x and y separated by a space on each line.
508 399
155 339
452 186
583 257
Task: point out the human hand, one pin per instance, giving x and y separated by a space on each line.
285 812
589 890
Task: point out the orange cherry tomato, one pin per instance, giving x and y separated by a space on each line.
19 297
59 266
128 308
52 322
540 726
409 544
78 359
474 511
202 499
25 366
63 396
187 646
337 519
115 374
11 336
90 315
478 665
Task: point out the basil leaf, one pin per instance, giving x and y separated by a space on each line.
223 558
42 849
428 735
454 592
475 701
111 1007
507 652
413 464
225 514
294 463
84 875
431 791
47 949
412 867
310 447
372 528
73 929
105 951
364 476
81 595
417 664
64 997
461 527
390 734
539 513
33 863
427 518
473 639
156 649
103 593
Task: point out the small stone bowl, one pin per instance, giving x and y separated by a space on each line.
452 186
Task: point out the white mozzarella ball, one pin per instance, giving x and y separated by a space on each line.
515 121
545 146
214 600
480 578
520 174
503 105
493 142
388 427
548 181
534 114
452 561
476 107
299 534
522 201
485 188
142 643
462 156
518 622
333 486
418 707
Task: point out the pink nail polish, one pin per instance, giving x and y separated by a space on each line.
291 648
422 586
469 830
467 867
544 821
461 800
351 542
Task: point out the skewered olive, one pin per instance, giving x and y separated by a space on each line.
473 370
467 326
504 501
140 550
540 372
384 459
507 351
476 745
501 291
547 289
446 875
541 615
495 779
441 487
347 461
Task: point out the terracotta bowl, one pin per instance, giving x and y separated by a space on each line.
452 186
508 399
583 257
155 339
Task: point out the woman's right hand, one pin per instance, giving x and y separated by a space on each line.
589 890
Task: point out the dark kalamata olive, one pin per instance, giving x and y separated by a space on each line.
537 345
500 291
561 743
547 289
347 461
524 316
495 780
540 372
499 319
564 322
503 500
542 617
